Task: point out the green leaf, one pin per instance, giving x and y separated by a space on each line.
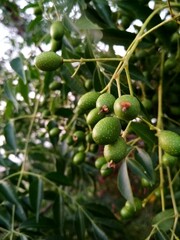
9 133
98 210
139 170
58 212
63 112
145 160
145 133
164 220
84 23
5 218
23 89
36 195
59 179
161 235
123 182
8 90
98 233
43 223
9 193
80 224
17 66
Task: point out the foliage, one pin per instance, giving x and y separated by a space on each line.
45 194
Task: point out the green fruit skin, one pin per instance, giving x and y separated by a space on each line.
106 131
55 85
126 107
78 136
94 116
37 11
145 182
126 213
117 151
48 61
105 102
54 132
55 45
87 102
169 160
105 170
100 161
57 30
79 158
170 142
134 207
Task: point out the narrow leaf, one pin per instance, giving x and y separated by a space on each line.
164 220
10 137
36 195
98 233
138 169
9 193
9 93
145 160
17 66
58 212
123 182
80 224
59 179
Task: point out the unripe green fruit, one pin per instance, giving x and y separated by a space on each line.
79 158
170 142
37 11
169 160
48 61
57 30
116 151
106 131
126 213
89 138
87 102
169 64
145 182
54 132
105 103
106 170
126 107
55 45
147 103
137 206
55 85
93 148
94 116
100 161
78 136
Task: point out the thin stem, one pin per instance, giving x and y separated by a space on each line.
26 149
81 60
129 80
173 201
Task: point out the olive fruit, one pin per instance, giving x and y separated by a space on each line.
168 160
135 206
105 102
100 161
54 131
48 61
106 170
145 182
79 157
78 136
170 142
126 107
55 85
94 116
147 103
106 131
87 102
116 151
55 45
126 213
57 30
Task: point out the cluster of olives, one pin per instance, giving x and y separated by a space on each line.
170 142
103 114
50 61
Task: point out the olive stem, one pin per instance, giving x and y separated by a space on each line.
81 60
176 214
129 80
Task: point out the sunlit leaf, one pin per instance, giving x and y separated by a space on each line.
123 182
17 66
